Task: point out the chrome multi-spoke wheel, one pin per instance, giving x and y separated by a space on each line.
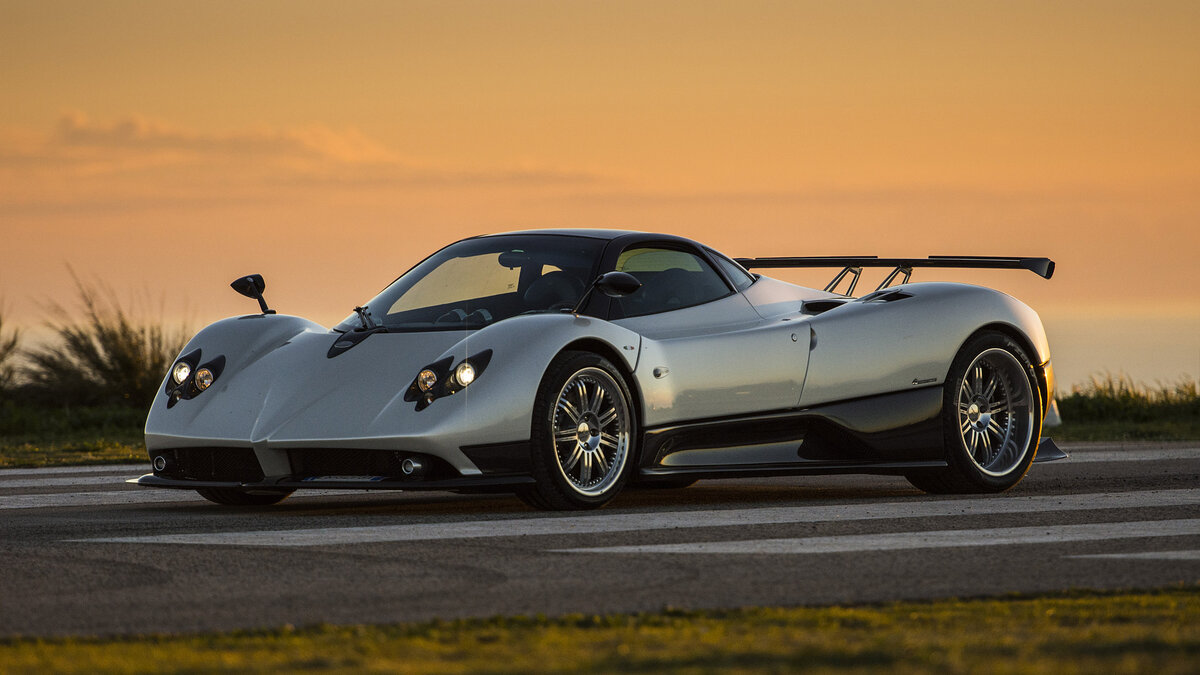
583 433
991 419
995 412
591 431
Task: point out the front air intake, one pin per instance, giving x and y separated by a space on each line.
209 464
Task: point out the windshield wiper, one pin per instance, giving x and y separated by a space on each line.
368 323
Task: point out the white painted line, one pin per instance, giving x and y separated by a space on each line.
1148 555
102 468
107 498
1129 446
82 481
134 495
1173 454
902 541
633 522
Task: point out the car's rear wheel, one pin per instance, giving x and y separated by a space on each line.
583 434
240 497
991 419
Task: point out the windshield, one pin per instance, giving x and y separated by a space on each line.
477 282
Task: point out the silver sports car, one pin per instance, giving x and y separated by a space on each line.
563 365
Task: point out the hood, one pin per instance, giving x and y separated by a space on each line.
280 386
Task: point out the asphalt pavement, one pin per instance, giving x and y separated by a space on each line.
83 553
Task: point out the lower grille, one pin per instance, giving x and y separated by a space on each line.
216 464
309 462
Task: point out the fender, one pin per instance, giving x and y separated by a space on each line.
906 337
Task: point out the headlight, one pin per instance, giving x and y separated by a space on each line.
204 379
180 372
443 378
426 379
464 374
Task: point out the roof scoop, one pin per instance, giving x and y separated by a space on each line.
252 286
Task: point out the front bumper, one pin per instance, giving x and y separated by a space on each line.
336 468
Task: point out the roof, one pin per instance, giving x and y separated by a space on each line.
576 232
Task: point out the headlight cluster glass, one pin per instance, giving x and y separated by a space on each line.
426 379
180 372
464 374
443 378
191 375
204 379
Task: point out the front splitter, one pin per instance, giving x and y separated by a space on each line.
300 483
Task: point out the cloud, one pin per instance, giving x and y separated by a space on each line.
140 134
136 161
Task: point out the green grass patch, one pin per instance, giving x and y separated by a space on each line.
1117 398
19 453
1068 633
32 436
1105 431
1115 408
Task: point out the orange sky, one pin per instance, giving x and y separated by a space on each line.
169 147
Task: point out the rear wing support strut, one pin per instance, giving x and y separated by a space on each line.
852 266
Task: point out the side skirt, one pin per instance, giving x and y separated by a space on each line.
890 433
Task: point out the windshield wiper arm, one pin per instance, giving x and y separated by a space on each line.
365 317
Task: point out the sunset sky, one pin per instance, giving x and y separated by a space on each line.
168 147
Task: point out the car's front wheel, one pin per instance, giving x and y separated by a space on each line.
583 434
991 419
240 497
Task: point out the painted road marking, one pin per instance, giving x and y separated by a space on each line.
105 468
902 541
82 481
1148 555
1172 454
132 496
632 522
107 498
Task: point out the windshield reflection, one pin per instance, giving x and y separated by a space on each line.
477 282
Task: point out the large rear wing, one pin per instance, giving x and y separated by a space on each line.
852 266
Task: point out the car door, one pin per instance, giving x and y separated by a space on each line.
706 353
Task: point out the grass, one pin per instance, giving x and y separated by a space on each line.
82 398
1066 633
1115 408
1163 431
102 355
32 436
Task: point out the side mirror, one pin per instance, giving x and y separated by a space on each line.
617 284
252 286
612 284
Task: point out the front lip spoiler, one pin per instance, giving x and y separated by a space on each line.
297 483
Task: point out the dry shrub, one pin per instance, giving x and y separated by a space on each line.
102 355
8 353
1111 397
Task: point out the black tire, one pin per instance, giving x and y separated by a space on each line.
240 497
991 419
566 441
